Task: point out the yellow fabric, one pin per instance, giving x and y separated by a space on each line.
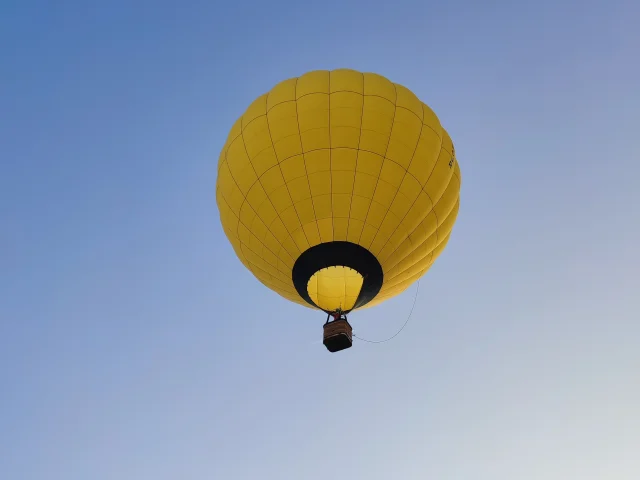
338 155
335 288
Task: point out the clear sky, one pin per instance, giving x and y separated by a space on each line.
134 345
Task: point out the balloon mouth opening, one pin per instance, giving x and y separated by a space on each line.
344 258
336 287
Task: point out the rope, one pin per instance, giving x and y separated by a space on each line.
401 328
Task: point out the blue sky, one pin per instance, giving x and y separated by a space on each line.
133 344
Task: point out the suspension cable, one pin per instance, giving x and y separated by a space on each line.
401 328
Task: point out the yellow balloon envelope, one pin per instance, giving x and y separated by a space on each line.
338 189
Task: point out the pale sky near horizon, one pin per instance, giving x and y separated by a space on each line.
134 344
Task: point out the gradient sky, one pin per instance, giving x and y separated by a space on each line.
133 343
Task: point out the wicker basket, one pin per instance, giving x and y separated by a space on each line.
338 335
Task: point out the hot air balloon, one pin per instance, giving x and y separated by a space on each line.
338 190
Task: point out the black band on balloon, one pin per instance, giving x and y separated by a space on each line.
335 254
